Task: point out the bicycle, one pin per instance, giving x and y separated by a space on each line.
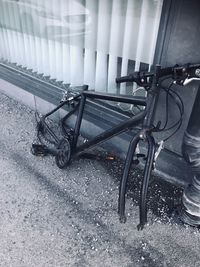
66 148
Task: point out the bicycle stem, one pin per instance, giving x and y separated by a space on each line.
152 98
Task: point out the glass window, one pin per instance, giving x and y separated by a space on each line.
76 41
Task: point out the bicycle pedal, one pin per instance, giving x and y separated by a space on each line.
39 150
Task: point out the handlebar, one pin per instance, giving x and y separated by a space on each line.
129 78
178 73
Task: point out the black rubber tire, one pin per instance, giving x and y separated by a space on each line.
63 155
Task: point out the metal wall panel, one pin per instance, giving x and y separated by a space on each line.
181 46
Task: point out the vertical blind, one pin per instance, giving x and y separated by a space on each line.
81 41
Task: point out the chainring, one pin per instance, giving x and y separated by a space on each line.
63 155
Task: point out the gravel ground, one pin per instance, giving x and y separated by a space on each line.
52 217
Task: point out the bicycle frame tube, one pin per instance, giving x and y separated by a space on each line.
55 109
136 100
152 98
114 130
60 106
78 122
49 130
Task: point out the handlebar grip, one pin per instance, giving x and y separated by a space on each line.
129 78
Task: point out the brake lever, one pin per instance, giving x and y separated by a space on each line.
191 75
189 80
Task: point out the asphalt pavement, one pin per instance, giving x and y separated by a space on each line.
52 217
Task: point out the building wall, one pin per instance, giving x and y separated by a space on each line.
181 46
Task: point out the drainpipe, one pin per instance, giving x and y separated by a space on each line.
191 152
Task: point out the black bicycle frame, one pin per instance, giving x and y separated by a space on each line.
145 119
110 132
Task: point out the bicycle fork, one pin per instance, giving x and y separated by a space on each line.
144 134
147 173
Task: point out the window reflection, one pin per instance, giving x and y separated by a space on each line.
52 18
81 41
